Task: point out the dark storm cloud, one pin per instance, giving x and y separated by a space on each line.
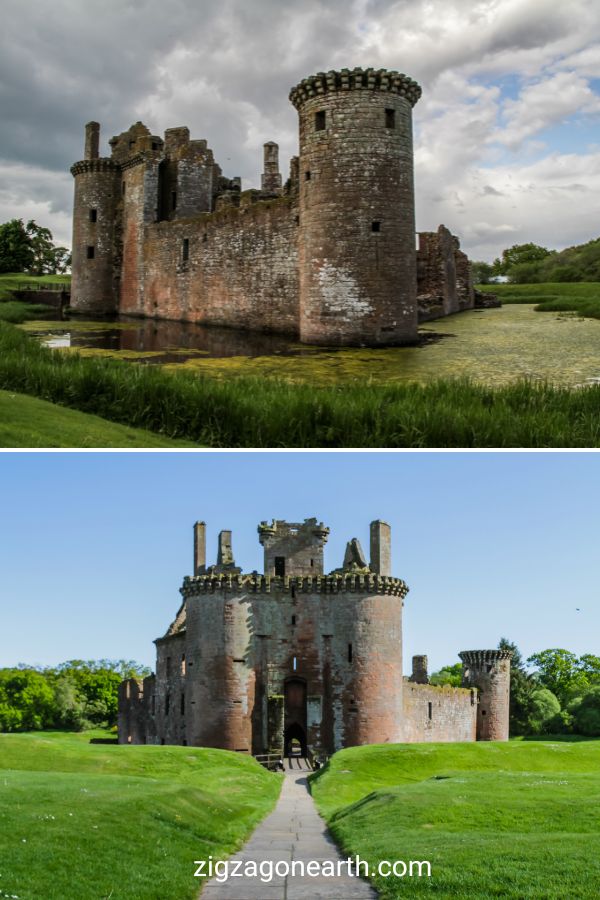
225 68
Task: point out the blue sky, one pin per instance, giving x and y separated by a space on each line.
95 545
511 98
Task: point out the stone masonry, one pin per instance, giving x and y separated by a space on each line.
253 661
329 256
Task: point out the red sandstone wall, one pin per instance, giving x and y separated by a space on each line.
453 713
241 272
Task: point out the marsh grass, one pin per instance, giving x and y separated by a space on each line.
89 821
516 820
582 298
259 412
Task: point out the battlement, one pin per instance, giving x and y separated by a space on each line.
355 80
478 658
100 164
336 583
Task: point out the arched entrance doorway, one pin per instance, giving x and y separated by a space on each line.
294 731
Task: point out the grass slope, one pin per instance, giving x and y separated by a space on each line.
515 820
259 412
13 281
582 298
90 821
29 422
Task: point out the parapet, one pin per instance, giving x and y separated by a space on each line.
355 80
478 658
336 583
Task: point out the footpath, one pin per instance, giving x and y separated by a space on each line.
293 831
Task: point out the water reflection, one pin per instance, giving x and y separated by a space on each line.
172 339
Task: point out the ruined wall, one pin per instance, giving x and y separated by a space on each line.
438 713
444 281
238 268
170 702
356 239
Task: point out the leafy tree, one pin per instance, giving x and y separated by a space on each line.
585 712
30 248
16 251
451 675
75 694
26 700
519 253
544 706
522 686
561 672
47 258
482 272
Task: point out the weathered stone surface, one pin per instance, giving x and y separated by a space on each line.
253 661
489 672
159 231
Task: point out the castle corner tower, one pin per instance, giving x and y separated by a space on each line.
97 181
357 257
489 671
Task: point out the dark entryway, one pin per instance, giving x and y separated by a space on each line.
295 717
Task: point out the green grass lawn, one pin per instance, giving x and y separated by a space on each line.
582 298
29 422
515 820
90 822
12 281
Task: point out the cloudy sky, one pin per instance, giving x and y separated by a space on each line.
507 130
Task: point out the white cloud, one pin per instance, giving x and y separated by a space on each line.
225 70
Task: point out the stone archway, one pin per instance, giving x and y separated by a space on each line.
295 715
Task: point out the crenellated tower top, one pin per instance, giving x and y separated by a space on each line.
355 80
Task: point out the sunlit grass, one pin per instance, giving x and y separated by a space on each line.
94 821
516 820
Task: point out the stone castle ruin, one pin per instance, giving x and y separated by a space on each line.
253 662
328 257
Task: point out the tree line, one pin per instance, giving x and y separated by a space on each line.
561 695
532 264
29 248
74 695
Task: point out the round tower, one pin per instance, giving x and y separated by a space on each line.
97 181
489 671
357 258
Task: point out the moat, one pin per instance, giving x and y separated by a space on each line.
492 346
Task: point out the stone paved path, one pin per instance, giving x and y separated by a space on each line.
293 831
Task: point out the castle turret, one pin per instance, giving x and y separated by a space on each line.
94 210
271 177
489 671
357 262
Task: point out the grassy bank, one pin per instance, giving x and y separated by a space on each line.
13 281
257 412
582 298
513 820
29 422
94 821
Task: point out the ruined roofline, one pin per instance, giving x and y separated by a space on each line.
355 80
316 584
477 657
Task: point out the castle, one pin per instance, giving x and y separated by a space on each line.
329 257
253 661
